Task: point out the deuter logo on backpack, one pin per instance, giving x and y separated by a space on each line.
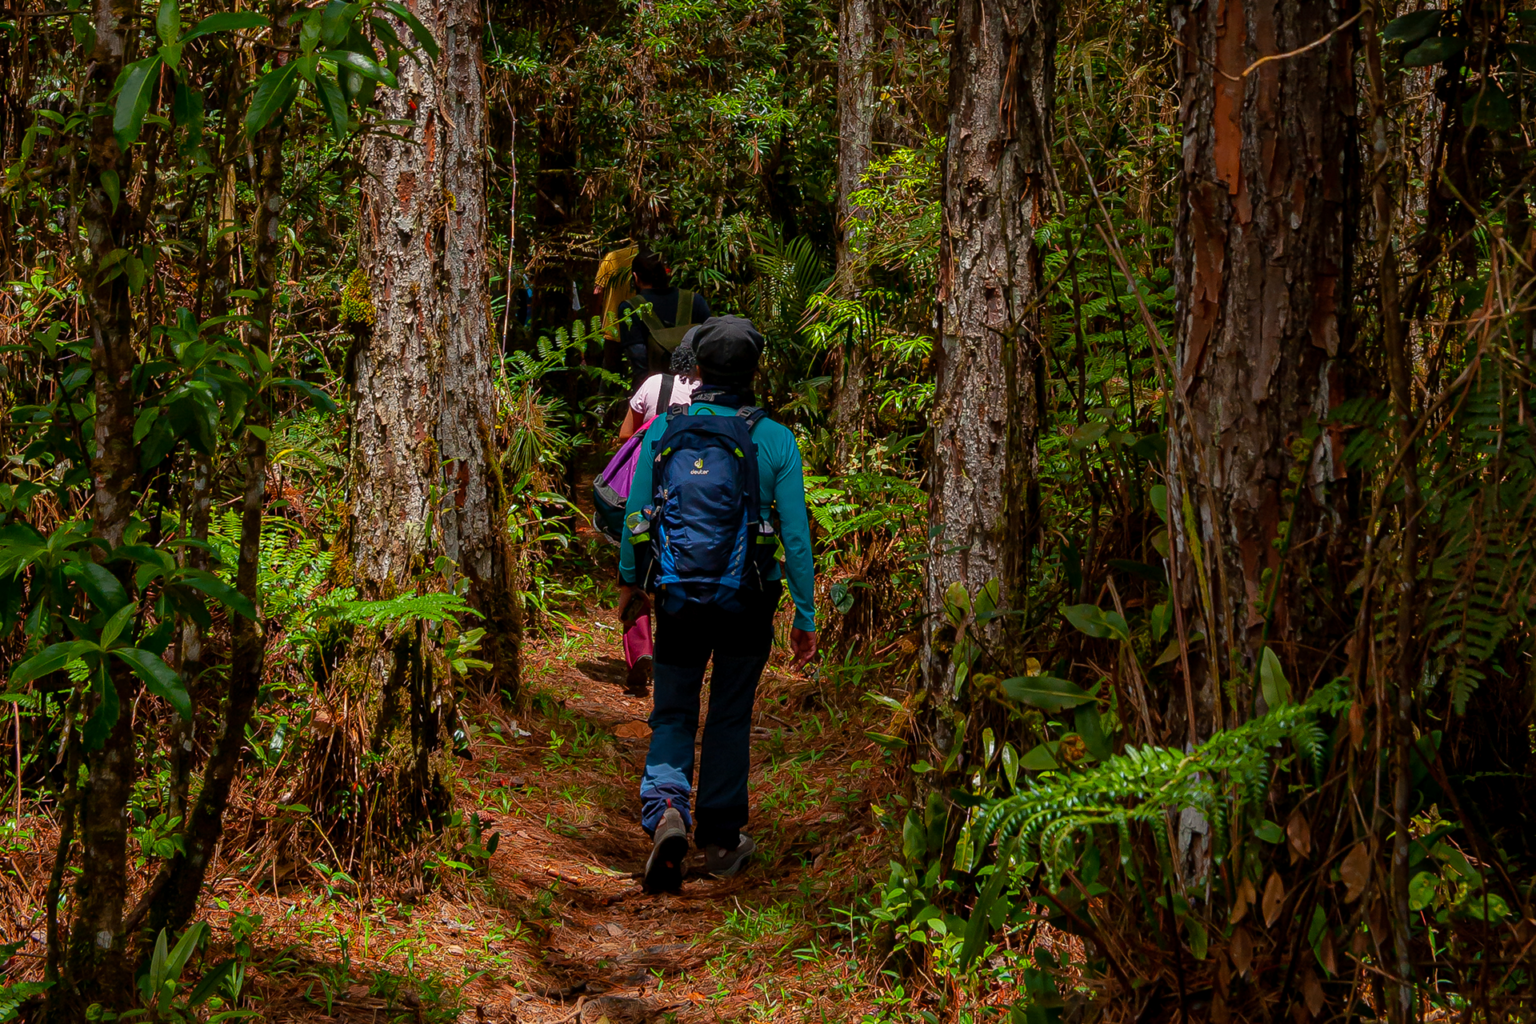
702 538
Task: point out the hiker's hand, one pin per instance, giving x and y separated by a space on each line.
633 603
802 644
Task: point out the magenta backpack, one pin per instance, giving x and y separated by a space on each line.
610 491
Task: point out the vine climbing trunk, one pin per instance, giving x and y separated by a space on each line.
1261 257
985 411
857 41
424 473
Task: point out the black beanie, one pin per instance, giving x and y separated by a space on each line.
727 348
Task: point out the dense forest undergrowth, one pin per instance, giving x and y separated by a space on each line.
540 917
1162 381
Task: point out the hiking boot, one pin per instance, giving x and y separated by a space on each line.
723 863
669 849
638 682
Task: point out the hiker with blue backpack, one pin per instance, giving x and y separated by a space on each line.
718 488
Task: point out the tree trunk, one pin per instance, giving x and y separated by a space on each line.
424 474
857 40
172 900
985 411
96 968
474 528
1260 264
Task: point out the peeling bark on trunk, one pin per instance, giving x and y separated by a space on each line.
425 407
424 472
857 40
1261 270
985 412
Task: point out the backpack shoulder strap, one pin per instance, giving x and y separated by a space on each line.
649 318
753 414
684 316
664 399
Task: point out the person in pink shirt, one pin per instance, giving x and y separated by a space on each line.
659 391
656 395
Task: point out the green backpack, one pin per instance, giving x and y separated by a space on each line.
665 339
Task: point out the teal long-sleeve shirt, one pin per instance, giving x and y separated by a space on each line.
781 482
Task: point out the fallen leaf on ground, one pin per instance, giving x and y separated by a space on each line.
1300 834
1274 895
1242 950
1355 872
632 731
1243 900
1313 990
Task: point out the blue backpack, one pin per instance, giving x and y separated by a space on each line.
702 539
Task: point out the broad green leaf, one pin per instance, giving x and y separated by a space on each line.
1010 760
1272 681
103 588
363 65
976 927
187 106
211 982
1087 434
106 713
957 603
228 21
168 22
1088 618
135 88
112 185
1484 906
184 948
1118 628
115 625
158 678
423 37
1489 109
272 94
1410 28
309 32
133 269
1433 51
336 22
50 659
1199 941
1269 832
987 598
914 839
1039 759
1091 729
842 597
220 591
1421 890
322 401
1045 692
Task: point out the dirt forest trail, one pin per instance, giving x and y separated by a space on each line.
561 789
556 928
564 800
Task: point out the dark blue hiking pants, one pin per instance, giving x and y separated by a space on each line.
685 641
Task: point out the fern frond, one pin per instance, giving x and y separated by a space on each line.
1144 784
